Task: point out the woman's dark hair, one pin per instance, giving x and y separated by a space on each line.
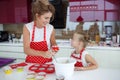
38 7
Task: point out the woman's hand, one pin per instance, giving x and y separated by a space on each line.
49 54
55 48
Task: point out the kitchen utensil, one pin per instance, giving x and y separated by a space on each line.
55 58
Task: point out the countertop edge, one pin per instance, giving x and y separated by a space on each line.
65 46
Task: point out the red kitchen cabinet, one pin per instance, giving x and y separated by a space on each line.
20 10
15 11
86 16
10 12
95 10
111 15
3 11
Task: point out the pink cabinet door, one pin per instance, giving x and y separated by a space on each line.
3 11
95 10
14 11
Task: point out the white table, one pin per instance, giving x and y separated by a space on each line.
98 74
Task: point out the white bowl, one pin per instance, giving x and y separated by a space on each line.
64 66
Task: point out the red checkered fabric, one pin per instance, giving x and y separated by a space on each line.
40 46
78 64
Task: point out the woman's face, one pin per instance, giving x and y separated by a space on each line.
44 19
75 41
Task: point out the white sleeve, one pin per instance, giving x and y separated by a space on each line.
29 26
84 53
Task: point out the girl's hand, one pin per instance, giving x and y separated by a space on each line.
79 68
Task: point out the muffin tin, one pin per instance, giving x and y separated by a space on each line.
14 66
47 68
35 76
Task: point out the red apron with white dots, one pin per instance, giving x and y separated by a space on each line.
78 64
40 46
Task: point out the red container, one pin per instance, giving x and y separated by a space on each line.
47 68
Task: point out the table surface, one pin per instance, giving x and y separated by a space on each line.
97 74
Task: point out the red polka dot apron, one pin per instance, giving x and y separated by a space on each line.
78 63
40 46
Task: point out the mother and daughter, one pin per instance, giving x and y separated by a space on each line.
39 37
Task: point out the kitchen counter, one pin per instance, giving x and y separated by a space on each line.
10 44
97 74
64 44
106 57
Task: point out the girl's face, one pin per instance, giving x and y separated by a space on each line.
44 19
75 41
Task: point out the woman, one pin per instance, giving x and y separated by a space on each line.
39 35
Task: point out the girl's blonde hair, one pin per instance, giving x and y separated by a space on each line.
81 37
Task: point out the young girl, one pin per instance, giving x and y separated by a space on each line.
84 60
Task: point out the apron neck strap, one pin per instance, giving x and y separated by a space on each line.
81 51
44 33
33 32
